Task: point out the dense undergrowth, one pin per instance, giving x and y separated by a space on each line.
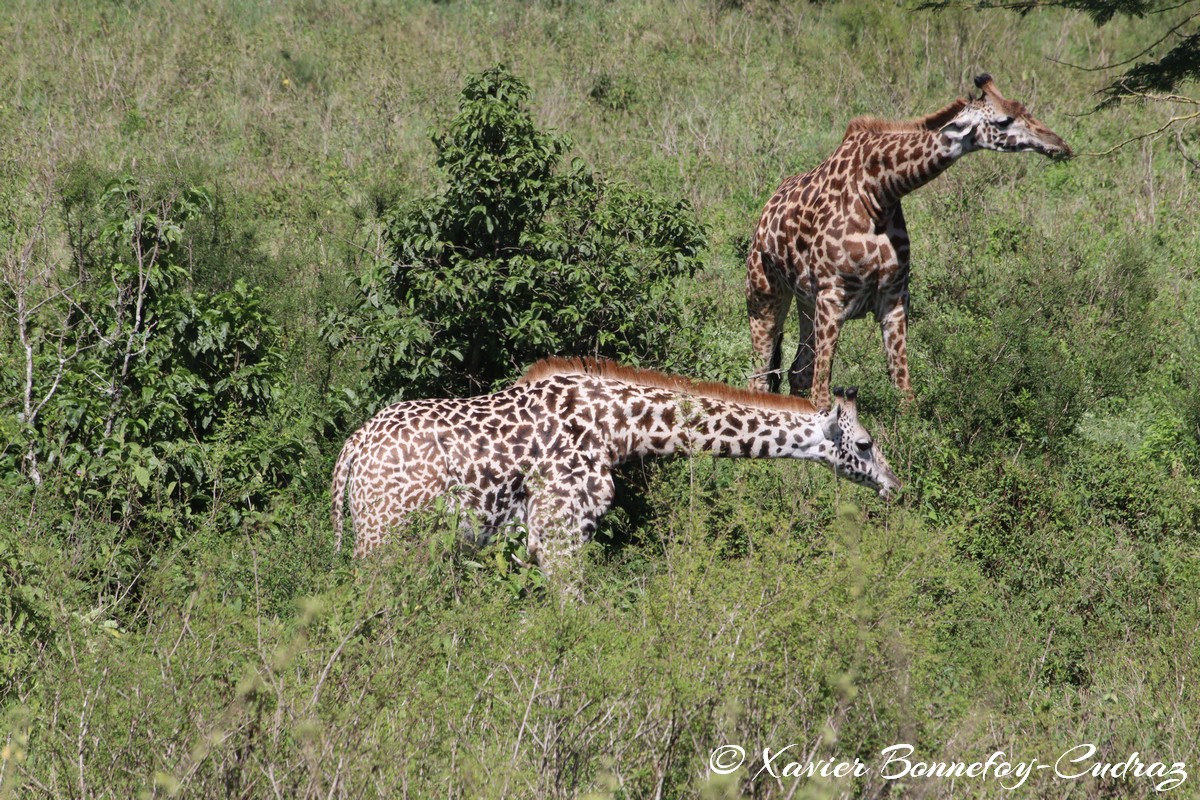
228 236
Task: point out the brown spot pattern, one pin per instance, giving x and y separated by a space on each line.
547 464
834 238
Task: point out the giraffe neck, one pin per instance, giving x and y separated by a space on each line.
676 424
894 164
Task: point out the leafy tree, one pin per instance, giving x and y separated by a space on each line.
144 388
515 259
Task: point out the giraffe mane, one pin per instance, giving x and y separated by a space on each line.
929 122
604 368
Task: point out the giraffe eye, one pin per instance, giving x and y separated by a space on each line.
863 444
1004 123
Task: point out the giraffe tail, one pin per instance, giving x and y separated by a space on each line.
341 476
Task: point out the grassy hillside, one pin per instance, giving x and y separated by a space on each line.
175 621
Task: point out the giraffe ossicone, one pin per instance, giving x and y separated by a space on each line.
834 238
541 452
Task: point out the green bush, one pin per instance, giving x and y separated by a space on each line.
515 259
27 612
156 391
1020 333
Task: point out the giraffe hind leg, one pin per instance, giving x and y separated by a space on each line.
800 376
774 378
767 304
389 483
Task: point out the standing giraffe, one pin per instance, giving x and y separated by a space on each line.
541 452
835 237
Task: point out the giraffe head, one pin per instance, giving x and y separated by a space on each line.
993 122
855 455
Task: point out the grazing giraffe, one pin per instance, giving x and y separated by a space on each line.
835 237
541 452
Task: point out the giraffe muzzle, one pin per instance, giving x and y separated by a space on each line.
1053 146
890 487
1064 154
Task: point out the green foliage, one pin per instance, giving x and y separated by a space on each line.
515 260
26 610
613 92
1026 384
1038 346
161 392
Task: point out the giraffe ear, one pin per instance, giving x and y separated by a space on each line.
830 426
959 134
957 130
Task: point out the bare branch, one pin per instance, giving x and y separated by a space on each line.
1179 143
1166 9
1147 135
22 279
1164 98
1131 59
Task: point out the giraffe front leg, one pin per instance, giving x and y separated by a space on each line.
800 376
767 303
562 517
827 323
894 324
